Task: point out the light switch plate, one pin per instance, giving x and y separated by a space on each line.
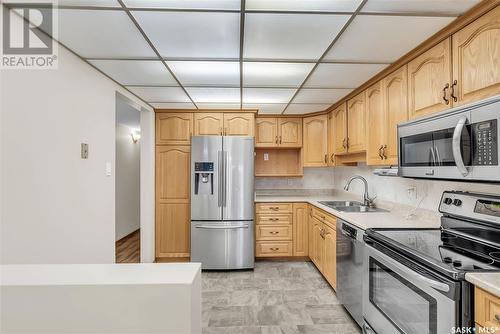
84 150
266 156
108 168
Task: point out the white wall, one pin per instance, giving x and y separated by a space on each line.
314 178
128 154
56 207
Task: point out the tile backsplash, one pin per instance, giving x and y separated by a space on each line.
426 193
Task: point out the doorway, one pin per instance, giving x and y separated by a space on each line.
127 182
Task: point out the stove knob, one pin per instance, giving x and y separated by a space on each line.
457 202
457 263
447 200
447 259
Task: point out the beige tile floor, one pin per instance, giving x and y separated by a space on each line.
274 298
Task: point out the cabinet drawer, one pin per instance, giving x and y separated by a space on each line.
273 219
273 248
324 217
273 208
487 309
274 232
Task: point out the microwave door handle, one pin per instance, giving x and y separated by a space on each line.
457 155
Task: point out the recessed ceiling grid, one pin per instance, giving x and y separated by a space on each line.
282 57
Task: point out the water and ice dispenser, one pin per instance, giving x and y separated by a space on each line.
204 178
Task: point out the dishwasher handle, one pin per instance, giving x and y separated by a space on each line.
349 231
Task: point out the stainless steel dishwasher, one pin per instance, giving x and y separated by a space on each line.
350 256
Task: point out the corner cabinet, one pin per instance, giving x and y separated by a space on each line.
315 141
239 124
174 128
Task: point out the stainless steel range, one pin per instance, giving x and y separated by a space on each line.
415 279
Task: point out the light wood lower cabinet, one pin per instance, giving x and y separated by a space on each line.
172 230
300 229
487 311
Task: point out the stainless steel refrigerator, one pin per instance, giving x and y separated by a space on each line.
222 202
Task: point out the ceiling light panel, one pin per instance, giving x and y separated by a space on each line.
195 35
185 4
290 36
441 7
298 108
160 94
173 105
320 95
266 108
136 72
214 95
267 95
203 105
342 75
96 3
101 33
375 38
301 5
206 72
275 74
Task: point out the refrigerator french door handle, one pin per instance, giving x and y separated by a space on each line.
214 227
221 176
457 154
224 182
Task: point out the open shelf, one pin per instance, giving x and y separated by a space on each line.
281 162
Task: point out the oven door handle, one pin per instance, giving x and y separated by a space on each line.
457 154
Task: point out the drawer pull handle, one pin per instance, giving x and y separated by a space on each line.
274 249
274 232
274 219
274 208
497 317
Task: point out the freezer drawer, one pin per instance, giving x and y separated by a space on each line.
223 244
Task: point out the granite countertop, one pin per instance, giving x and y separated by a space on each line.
399 216
489 282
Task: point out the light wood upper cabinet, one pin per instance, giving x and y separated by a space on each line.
376 125
330 255
174 128
340 128
208 124
476 59
331 139
239 124
394 88
290 132
315 141
356 126
266 132
300 229
429 79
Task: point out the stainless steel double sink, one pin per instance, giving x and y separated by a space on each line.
350 206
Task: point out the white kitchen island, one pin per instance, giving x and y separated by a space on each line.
101 298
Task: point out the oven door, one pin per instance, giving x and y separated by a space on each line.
405 298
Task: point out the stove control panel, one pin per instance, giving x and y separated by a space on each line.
483 207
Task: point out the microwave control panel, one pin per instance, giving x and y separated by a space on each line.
485 142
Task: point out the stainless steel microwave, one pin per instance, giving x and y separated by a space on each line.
460 144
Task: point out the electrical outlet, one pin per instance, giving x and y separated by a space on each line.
266 156
411 192
289 182
84 150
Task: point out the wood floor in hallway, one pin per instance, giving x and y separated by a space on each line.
128 249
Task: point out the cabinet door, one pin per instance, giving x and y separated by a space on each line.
318 244
174 128
239 124
290 132
376 125
340 128
172 230
266 134
300 229
356 126
476 58
310 236
330 257
208 124
394 87
315 141
173 174
429 79
331 139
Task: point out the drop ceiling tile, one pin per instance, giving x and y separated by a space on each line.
187 34
290 36
160 94
101 33
342 75
203 105
184 4
96 3
136 72
173 105
214 95
267 95
275 74
301 5
298 108
320 95
206 72
375 39
266 108
446 7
